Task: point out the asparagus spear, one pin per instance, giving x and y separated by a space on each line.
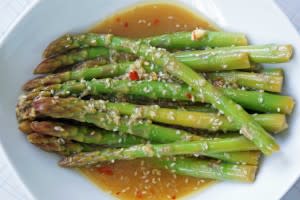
269 53
158 150
50 143
59 145
197 39
257 81
207 169
86 73
179 40
56 145
274 123
253 100
85 134
204 62
210 121
272 83
98 53
247 79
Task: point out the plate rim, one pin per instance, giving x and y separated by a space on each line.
34 4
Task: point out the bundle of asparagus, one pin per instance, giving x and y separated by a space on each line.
107 106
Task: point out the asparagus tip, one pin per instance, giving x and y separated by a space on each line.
25 126
57 46
31 84
44 67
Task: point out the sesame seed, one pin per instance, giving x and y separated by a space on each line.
58 128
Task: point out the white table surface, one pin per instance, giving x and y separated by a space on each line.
10 187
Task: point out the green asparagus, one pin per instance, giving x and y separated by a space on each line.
207 169
172 41
210 121
257 81
269 53
85 134
68 148
158 150
253 100
56 145
204 62
246 79
59 145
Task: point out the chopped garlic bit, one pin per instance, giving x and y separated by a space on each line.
197 34
58 128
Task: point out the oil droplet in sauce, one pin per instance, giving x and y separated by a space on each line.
138 179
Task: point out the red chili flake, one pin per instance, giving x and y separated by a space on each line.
118 19
117 193
173 197
189 96
126 24
155 21
139 195
134 76
105 170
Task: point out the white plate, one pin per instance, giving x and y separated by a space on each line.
20 52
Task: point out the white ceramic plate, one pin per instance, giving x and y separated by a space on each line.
20 52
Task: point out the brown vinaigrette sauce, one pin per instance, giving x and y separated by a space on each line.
139 179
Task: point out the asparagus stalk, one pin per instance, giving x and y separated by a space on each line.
179 40
85 134
158 150
274 123
207 169
204 62
71 58
243 157
269 53
105 71
59 145
47 139
257 81
247 79
253 100
209 121
74 57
